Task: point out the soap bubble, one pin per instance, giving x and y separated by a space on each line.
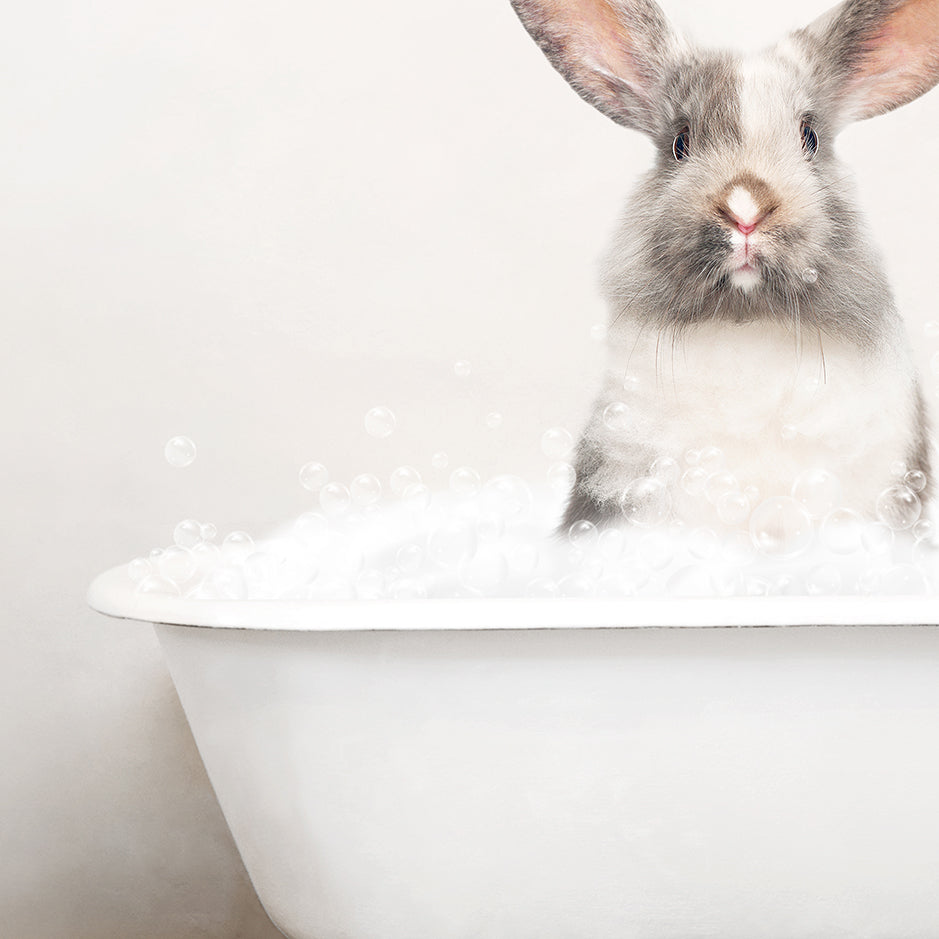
703 543
645 502
841 531
693 480
403 477
824 580
733 508
187 533
877 539
665 468
440 460
224 584
810 275
898 507
719 484
692 580
711 458
179 451
452 541
915 480
313 476
485 571
209 531
611 544
692 457
379 422
177 564
409 558
138 569
818 490
726 580
417 496
462 368
493 420
924 530
509 496
781 528
237 545
931 329
902 580
616 416
335 499
582 534
556 443
598 332
365 489
561 477
155 584
465 482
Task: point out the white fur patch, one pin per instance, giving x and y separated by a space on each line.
743 206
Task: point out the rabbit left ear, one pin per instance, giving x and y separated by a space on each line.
880 54
612 52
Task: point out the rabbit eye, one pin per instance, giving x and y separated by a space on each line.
809 140
682 144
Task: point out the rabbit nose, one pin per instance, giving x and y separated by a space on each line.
744 209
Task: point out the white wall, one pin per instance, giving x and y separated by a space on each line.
249 223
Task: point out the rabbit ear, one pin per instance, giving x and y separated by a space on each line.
880 53
611 51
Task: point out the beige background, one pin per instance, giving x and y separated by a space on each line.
249 223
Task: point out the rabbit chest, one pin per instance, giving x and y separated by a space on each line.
774 401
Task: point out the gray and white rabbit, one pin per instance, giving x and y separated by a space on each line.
749 311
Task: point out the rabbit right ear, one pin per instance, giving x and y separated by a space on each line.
611 51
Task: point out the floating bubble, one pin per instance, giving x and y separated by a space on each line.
598 332
236 546
611 543
365 489
224 584
616 416
781 528
665 468
465 482
902 580
931 329
877 538
157 584
403 477
733 508
712 459
493 420
582 534
818 491
187 533
209 531
486 571
179 451
452 541
823 580
138 569
556 443
841 531
462 368
380 422
409 558
692 457
313 476
810 275
177 564
924 530
335 499
561 477
693 480
645 502
719 484
915 480
508 496
898 507
703 543
440 460
417 496
631 383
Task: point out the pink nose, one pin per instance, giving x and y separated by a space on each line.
746 229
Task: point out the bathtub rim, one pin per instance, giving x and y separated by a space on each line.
114 594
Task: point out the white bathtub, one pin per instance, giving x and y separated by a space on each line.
550 769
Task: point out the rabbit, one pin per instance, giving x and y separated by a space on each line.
750 317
